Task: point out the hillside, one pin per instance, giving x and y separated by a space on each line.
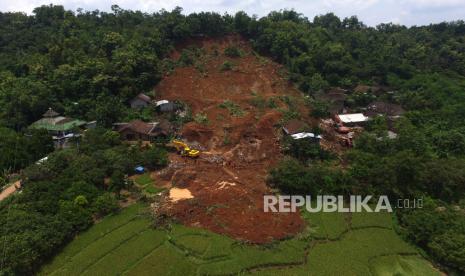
367 111
239 140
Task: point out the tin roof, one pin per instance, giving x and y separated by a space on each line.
158 103
302 135
353 118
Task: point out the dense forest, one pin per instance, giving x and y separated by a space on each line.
88 64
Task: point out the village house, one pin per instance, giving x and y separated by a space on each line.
165 106
351 120
296 129
61 128
140 101
138 130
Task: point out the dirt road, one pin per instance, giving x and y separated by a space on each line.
9 190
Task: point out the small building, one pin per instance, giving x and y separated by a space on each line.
140 101
355 119
138 130
165 106
307 135
61 128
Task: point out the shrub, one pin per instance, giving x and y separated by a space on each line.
320 109
81 200
227 65
232 51
233 108
201 118
105 204
305 150
155 157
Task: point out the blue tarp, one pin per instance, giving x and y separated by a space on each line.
139 169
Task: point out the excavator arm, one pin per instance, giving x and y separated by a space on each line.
184 149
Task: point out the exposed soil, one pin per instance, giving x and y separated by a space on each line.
227 181
10 190
177 194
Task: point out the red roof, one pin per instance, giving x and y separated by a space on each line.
137 126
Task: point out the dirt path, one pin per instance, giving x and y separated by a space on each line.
10 190
228 181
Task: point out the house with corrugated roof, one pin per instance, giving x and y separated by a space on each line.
138 130
165 106
61 128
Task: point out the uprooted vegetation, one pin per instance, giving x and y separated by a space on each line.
238 142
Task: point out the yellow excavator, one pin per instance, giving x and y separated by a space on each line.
184 149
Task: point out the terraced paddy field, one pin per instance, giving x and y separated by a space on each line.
334 244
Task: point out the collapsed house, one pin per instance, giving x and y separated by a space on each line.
61 128
140 101
390 110
335 98
297 130
138 130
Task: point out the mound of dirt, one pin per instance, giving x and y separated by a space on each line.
194 132
239 144
177 194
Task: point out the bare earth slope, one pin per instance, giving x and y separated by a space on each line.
239 142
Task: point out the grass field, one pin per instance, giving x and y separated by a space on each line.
335 244
143 179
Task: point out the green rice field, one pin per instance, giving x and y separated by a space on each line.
334 244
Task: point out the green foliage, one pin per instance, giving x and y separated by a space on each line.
314 84
326 226
144 180
292 177
126 243
439 229
201 118
81 200
306 149
117 182
64 193
155 157
233 108
19 150
232 52
227 65
105 204
320 109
